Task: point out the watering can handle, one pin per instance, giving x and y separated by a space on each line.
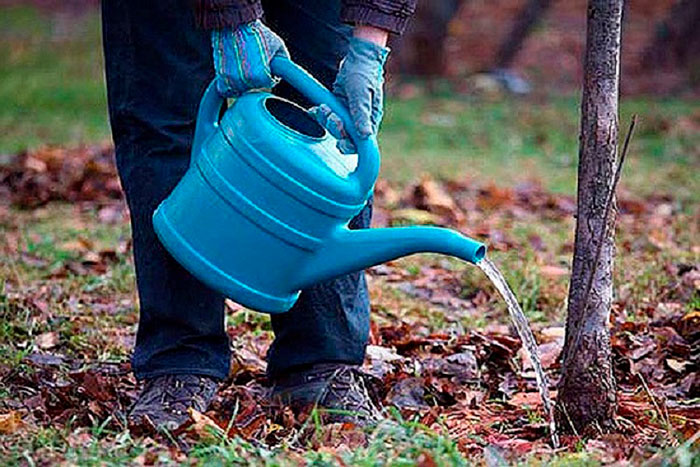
367 150
207 118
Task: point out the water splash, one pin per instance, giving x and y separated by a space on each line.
529 343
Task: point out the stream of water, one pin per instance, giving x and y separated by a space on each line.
529 343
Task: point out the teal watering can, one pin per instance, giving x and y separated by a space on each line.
262 211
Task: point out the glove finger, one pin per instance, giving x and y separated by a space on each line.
346 146
335 126
360 100
329 120
226 85
226 88
319 115
250 49
272 46
377 110
281 51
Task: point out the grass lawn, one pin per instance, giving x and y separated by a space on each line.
67 284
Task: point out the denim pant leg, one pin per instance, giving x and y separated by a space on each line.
330 321
157 66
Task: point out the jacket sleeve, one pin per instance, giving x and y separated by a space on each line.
392 15
217 14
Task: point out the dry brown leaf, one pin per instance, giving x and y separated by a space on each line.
203 426
37 165
531 399
553 332
47 340
415 216
690 323
10 422
554 271
431 196
73 245
425 460
549 353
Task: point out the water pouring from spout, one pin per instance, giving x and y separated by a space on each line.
528 339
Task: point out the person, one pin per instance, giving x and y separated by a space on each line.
159 58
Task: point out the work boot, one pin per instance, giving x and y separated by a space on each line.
341 391
164 401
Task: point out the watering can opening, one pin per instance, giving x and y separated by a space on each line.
293 117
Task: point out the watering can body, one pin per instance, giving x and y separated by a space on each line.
262 212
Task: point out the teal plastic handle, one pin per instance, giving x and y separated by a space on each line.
368 157
207 118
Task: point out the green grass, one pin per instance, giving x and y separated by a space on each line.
51 79
512 140
398 443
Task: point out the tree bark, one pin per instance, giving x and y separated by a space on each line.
587 394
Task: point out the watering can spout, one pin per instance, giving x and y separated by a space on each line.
354 250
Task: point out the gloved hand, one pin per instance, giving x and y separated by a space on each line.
359 86
242 57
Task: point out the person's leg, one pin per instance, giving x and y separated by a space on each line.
157 66
330 321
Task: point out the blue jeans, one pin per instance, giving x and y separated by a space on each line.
157 67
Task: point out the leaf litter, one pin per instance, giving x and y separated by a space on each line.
439 352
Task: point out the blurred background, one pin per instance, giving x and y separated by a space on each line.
483 88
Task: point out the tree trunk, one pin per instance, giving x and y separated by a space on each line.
420 51
587 397
676 41
527 17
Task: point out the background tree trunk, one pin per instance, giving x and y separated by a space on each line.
676 41
530 14
420 51
587 395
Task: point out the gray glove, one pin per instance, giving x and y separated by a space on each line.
359 86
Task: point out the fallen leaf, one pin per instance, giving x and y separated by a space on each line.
553 332
554 272
73 246
32 163
408 393
463 366
531 399
414 217
549 353
676 365
47 340
425 460
690 324
10 422
203 426
41 359
431 196
382 354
